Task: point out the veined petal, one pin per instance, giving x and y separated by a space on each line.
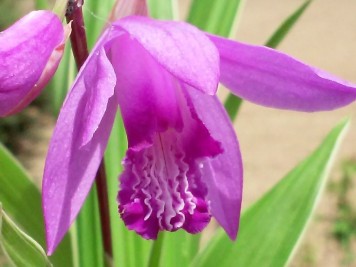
30 51
179 47
222 174
77 145
146 92
270 78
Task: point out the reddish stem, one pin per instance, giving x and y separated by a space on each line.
80 51
102 190
78 39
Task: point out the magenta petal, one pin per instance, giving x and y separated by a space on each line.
30 51
78 145
270 78
146 92
179 47
223 176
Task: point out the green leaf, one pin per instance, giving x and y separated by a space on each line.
22 201
114 153
96 14
179 249
156 251
233 103
217 17
20 248
63 79
232 106
282 31
41 4
90 244
271 228
159 9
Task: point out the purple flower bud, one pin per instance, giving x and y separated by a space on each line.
30 51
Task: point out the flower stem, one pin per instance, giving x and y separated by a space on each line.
78 38
80 51
102 190
156 251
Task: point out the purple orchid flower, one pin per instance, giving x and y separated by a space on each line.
183 164
30 51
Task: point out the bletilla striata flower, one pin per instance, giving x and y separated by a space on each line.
30 51
183 164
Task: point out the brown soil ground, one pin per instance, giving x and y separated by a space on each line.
273 141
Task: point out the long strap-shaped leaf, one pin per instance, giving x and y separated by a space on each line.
20 248
22 201
217 17
271 228
163 9
233 103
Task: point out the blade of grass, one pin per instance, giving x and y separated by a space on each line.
179 249
22 201
222 17
155 255
233 103
20 248
62 80
272 227
217 17
282 31
163 9
90 245
41 4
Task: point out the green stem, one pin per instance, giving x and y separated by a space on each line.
156 251
60 8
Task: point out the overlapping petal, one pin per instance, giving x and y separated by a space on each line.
77 145
270 78
222 174
173 44
30 51
146 92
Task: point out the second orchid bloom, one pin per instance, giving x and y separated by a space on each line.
30 51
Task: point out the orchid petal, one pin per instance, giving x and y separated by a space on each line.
270 78
146 92
179 47
78 145
30 51
223 174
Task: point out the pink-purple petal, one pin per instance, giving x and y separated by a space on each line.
270 78
222 174
146 92
77 145
30 51
179 47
